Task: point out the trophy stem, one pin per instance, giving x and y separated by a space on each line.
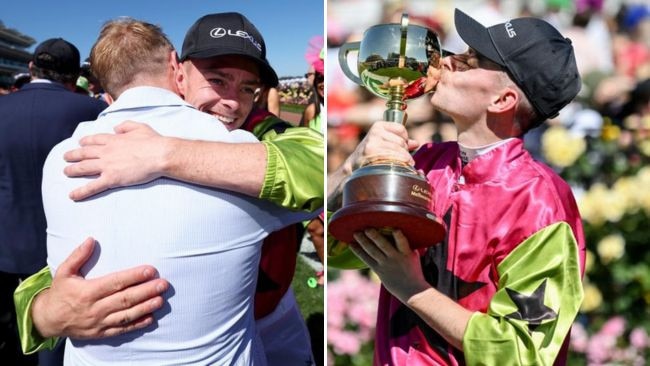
396 111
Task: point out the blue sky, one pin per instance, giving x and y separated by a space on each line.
287 25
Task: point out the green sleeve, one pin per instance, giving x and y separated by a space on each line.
30 340
537 299
294 176
316 124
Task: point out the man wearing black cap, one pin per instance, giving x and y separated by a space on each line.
214 45
34 119
504 285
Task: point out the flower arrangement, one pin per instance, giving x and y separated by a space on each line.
610 175
611 344
351 317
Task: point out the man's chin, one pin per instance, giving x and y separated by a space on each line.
432 100
233 126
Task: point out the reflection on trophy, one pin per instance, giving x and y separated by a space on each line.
393 60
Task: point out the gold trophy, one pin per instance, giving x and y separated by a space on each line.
393 60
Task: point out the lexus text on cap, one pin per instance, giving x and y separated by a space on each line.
225 34
58 55
536 56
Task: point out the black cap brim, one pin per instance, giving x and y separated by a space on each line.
476 36
267 74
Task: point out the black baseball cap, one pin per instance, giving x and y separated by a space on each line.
224 34
21 79
58 55
536 56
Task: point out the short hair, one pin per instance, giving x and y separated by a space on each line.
63 78
526 117
128 49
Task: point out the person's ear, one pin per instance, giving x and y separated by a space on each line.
180 78
505 101
173 61
108 99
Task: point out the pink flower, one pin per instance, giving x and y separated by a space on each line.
344 342
335 319
579 338
600 348
614 327
352 304
364 314
639 338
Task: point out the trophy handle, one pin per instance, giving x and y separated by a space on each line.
343 60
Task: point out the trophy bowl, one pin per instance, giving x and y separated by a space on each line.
392 63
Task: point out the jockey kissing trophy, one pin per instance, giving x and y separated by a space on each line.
392 62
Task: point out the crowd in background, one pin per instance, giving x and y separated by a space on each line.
295 90
600 144
292 90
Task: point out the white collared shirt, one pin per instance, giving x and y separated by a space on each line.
205 242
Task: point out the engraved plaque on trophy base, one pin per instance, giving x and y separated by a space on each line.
387 196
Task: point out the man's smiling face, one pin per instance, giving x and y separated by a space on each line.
223 86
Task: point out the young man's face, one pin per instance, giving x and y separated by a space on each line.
223 86
467 84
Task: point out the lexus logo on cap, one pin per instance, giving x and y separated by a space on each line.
217 33
220 32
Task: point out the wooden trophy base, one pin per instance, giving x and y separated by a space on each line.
387 197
